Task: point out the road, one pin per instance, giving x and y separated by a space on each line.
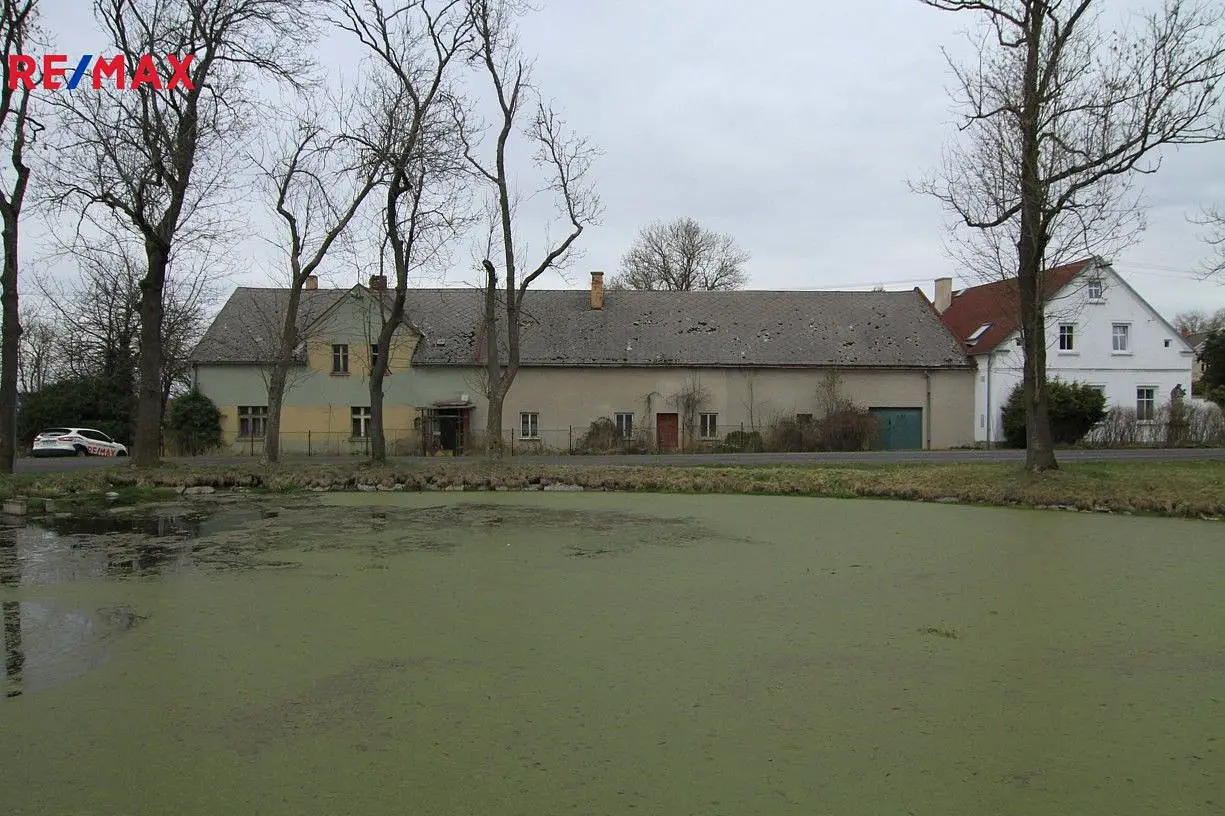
29 465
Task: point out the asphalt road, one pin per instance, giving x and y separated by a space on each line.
30 465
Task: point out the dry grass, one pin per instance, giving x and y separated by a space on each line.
1168 488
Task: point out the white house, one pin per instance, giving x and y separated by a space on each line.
1099 332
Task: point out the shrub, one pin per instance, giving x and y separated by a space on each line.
602 436
791 436
1074 410
848 428
193 423
1199 423
87 402
744 442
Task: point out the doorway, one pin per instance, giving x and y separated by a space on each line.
667 432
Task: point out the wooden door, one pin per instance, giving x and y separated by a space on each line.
667 431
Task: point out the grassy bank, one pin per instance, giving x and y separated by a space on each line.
1191 489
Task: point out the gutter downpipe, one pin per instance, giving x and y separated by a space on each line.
928 410
990 442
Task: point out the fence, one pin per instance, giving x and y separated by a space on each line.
1198 424
596 438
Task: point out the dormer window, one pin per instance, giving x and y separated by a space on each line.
979 332
1095 289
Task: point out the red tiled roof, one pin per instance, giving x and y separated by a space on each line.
998 304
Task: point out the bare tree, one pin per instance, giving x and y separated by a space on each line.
101 304
412 48
319 181
682 256
1198 321
566 159
17 131
37 360
151 158
1059 115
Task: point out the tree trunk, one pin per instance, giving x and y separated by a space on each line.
280 374
494 448
148 440
378 435
378 439
494 444
10 340
1031 252
276 397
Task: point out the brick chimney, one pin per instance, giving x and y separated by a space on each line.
597 290
944 294
378 282
312 281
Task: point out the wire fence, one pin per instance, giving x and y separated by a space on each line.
571 440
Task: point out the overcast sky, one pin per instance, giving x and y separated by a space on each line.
794 126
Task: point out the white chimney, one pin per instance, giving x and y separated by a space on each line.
944 294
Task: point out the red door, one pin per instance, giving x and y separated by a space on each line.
667 428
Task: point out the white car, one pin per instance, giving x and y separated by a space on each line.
76 442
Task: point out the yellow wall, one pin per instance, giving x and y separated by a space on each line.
324 430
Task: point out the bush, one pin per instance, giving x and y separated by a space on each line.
848 428
602 437
83 402
743 442
1075 409
193 423
1197 424
791 436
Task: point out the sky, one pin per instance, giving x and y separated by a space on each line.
793 126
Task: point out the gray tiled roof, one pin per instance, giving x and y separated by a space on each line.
247 328
746 328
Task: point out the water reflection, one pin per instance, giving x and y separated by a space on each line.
79 548
46 644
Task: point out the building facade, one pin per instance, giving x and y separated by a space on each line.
1099 332
672 370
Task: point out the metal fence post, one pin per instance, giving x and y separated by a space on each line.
308 443
512 443
571 439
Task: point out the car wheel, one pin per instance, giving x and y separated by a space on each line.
82 452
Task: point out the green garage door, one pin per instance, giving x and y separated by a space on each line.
900 428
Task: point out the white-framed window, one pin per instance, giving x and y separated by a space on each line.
1095 289
252 420
340 358
708 426
529 425
361 422
625 424
1146 402
1120 338
1067 336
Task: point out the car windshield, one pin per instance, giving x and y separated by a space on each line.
55 432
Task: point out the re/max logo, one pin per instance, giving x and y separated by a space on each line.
21 69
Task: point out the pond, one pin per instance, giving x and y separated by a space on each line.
611 653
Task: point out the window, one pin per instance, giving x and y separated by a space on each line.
529 425
973 338
708 426
361 422
1121 337
1146 402
252 420
1095 289
1067 336
340 358
625 425
374 355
